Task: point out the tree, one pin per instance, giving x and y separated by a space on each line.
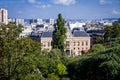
104 65
59 34
108 33
47 63
8 38
52 77
116 31
111 32
114 42
99 40
17 54
61 70
97 47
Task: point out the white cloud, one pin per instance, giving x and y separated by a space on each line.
116 12
64 2
38 4
103 2
32 1
43 6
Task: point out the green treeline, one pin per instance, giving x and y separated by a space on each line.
21 58
102 65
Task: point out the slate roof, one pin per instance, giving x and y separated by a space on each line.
80 34
40 26
47 34
95 31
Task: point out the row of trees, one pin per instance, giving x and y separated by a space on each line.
104 64
109 32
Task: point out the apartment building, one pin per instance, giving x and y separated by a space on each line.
3 16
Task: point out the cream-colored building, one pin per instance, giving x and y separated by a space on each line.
3 16
76 42
46 40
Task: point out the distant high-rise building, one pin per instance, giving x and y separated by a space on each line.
50 21
39 21
16 20
3 16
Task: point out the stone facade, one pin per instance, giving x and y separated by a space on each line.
46 43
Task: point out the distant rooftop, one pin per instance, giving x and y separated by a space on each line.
95 31
47 34
80 34
39 26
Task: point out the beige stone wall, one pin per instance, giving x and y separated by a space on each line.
46 43
77 44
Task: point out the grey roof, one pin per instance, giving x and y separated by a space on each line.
80 34
96 31
47 34
40 26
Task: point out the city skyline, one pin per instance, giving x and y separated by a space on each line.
70 9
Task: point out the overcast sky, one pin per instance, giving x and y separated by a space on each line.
70 9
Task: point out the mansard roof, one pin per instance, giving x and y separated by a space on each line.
47 34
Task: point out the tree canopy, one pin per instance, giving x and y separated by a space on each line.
111 32
59 34
17 54
102 65
96 48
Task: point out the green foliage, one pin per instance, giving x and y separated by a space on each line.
97 47
52 77
47 63
114 42
99 40
111 32
116 31
61 69
104 65
108 33
17 54
59 34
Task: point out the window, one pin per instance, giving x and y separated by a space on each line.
68 52
78 43
49 44
82 43
74 43
67 43
86 43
